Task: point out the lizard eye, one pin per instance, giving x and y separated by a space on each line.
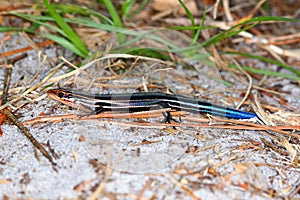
60 94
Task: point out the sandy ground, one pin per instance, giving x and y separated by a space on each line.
143 163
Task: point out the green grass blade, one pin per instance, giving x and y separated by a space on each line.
189 14
226 34
197 34
291 69
41 21
115 17
65 43
7 28
75 9
72 36
267 72
78 21
270 18
138 10
126 8
60 40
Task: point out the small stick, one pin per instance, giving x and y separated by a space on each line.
8 77
6 85
28 135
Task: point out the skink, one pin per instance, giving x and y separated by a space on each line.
144 101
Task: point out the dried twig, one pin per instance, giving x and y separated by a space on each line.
249 85
28 135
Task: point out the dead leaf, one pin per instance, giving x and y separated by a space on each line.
164 5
